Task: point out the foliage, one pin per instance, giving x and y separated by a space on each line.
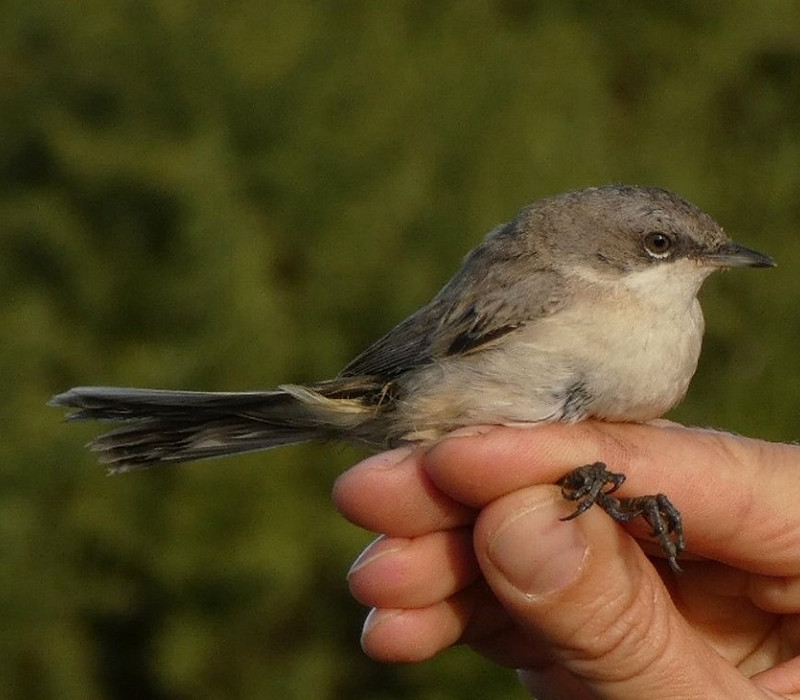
233 195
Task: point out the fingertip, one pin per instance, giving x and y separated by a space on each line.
391 493
528 538
413 635
531 545
361 478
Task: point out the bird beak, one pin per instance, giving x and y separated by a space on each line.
735 255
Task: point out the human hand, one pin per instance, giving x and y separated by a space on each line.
473 551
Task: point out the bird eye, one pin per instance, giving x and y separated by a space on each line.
657 244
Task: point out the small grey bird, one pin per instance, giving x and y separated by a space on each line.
584 306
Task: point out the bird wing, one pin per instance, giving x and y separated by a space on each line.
471 313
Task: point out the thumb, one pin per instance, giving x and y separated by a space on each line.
586 590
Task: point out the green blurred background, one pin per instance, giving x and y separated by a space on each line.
215 195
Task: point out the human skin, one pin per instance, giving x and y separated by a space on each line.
472 550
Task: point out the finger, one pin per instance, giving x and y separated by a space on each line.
414 573
736 495
783 679
507 457
473 616
714 588
584 588
776 594
715 598
416 634
391 493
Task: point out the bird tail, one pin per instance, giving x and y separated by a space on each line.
168 427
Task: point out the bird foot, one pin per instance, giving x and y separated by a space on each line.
593 484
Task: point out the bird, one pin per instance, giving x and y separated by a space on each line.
583 306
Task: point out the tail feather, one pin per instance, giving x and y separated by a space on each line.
168 427
114 403
162 442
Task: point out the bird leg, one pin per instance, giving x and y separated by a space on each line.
593 483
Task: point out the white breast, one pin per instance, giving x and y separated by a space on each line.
629 349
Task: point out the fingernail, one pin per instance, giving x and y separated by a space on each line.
372 553
386 460
377 616
537 552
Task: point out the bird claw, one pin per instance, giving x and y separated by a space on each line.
594 483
